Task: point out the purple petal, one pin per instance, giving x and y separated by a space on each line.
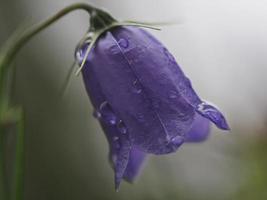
213 114
199 131
121 161
119 144
159 72
135 164
142 99
160 122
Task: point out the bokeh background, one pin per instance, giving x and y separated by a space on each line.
220 44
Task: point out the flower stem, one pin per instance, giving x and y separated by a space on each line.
11 48
3 181
19 158
7 54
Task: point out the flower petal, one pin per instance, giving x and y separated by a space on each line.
161 74
121 162
213 114
142 99
135 163
119 144
199 131
161 124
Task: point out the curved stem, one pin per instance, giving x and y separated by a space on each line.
32 31
12 48
7 54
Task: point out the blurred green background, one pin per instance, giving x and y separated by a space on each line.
221 46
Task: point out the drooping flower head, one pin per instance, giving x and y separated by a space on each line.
142 98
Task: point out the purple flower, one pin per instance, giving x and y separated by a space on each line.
142 99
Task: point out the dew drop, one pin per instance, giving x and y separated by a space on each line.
115 138
211 112
97 114
82 47
137 87
205 108
177 141
121 126
141 117
107 113
200 107
173 95
114 49
124 43
116 142
79 55
90 36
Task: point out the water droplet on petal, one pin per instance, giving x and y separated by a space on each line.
124 43
137 87
140 117
97 114
116 142
173 94
114 49
82 47
90 35
79 55
211 112
115 138
205 108
107 113
177 141
122 128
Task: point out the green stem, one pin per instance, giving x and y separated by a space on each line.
19 159
8 53
3 184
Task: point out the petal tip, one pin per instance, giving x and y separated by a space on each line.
213 114
225 126
222 123
117 185
129 180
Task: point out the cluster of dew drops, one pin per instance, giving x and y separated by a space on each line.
106 114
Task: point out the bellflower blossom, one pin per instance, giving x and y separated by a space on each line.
142 99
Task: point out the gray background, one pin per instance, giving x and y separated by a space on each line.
220 44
